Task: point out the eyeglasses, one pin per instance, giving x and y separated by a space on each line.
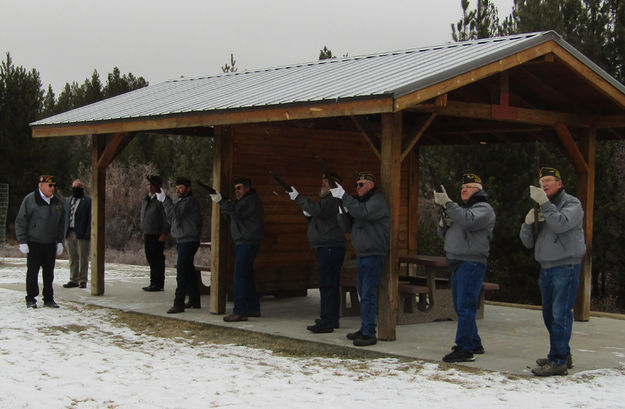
361 184
51 185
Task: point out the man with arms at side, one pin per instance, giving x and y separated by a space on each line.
39 229
77 234
154 229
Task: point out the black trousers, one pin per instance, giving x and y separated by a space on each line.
156 259
185 274
40 256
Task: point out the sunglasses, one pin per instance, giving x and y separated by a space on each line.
51 184
361 184
239 187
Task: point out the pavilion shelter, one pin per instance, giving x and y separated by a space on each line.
365 112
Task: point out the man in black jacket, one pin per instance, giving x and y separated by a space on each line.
326 236
39 229
77 234
154 229
185 219
246 226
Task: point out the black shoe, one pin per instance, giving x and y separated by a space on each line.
354 335
459 355
83 285
189 304
175 310
70 284
255 314
335 326
152 288
50 304
319 329
479 350
235 318
31 303
365 340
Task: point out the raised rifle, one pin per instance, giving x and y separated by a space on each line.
437 186
537 183
331 182
211 191
281 182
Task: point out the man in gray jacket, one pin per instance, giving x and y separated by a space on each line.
185 219
559 248
246 216
325 235
39 229
368 221
467 231
154 230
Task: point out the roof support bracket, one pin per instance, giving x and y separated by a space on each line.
575 155
415 139
114 146
368 133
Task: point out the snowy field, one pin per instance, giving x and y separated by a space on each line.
79 357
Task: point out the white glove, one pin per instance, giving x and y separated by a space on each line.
24 248
160 195
59 248
293 193
307 214
216 197
338 191
441 198
538 194
445 221
530 217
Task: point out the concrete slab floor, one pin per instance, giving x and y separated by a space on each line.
513 337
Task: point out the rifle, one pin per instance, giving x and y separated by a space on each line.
211 191
281 182
537 183
437 185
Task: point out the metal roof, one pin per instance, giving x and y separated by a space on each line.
390 74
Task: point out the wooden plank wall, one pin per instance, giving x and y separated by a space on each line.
285 261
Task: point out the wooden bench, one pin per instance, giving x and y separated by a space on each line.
204 289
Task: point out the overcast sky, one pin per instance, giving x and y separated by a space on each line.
160 40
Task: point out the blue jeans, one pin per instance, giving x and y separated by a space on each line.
330 260
558 287
245 297
369 270
466 285
185 274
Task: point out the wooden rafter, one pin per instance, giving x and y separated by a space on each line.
415 139
115 145
368 133
571 148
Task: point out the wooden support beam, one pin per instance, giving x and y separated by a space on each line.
586 193
390 183
415 139
98 182
368 133
413 204
571 148
522 115
226 117
222 176
114 146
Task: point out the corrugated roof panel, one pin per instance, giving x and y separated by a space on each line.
393 73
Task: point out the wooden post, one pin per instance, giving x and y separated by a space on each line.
222 169
98 182
586 193
413 204
390 175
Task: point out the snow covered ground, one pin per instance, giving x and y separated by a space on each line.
79 357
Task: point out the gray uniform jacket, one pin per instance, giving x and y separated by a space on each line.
185 218
323 227
368 222
153 218
246 218
38 221
561 236
469 236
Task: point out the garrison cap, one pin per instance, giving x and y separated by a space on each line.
332 177
549 171
155 180
47 179
242 180
181 180
471 178
365 175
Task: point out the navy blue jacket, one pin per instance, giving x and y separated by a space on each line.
82 221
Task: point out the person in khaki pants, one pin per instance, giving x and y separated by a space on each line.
77 234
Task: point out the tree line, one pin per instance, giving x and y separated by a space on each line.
595 27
